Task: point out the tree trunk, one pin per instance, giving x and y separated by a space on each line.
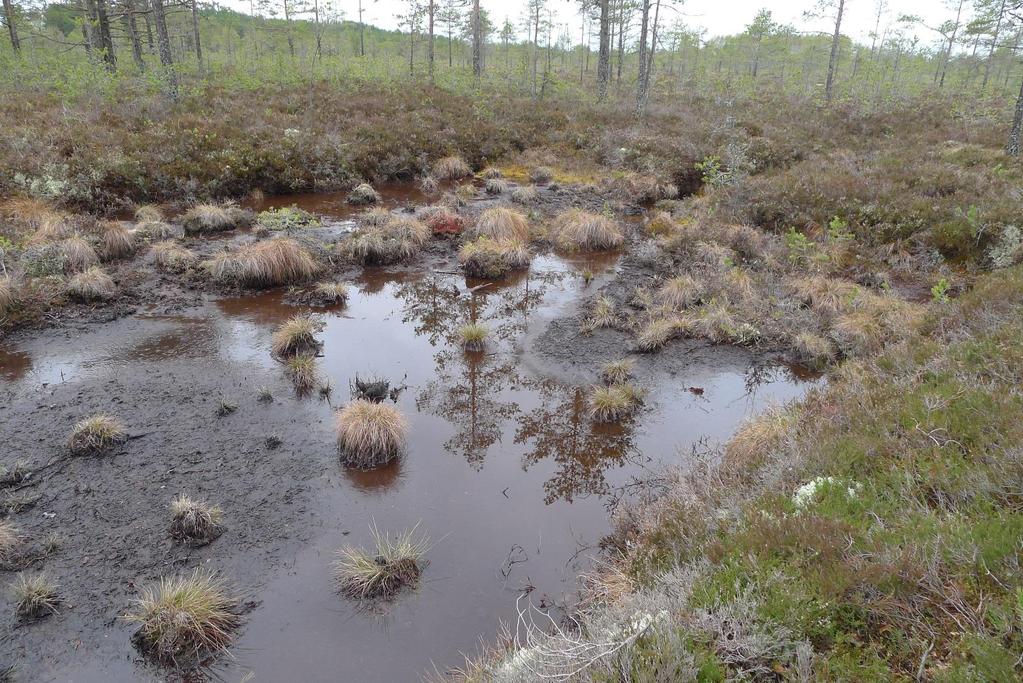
12 28
951 44
644 26
164 46
133 34
1012 148
829 87
103 25
195 32
429 46
604 60
994 44
362 33
477 41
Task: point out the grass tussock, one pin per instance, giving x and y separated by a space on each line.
490 259
524 194
656 334
370 434
451 168
156 231
576 229
90 285
393 564
473 337
35 596
268 263
502 224
613 403
117 242
680 292
184 619
77 254
813 350
756 438
495 187
603 314
398 239
9 294
329 294
212 218
149 213
617 372
301 370
443 221
195 520
96 435
170 256
362 195
296 336
9 540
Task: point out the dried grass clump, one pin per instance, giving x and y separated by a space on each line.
329 294
149 213
827 297
540 175
657 333
660 225
399 239
95 435
296 336
9 540
270 263
376 216
52 229
118 242
76 254
495 186
491 172
370 434
525 194
91 285
393 564
473 337
363 194
35 596
875 322
301 370
617 372
28 211
9 293
205 218
680 292
428 185
451 168
613 403
813 350
719 323
756 438
185 619
502 224
486 258
603 314
170 256
158 230
195 520
576 229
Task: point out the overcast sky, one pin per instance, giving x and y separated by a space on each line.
719 17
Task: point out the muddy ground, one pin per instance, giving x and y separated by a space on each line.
504 470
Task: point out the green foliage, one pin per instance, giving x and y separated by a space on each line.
939 292
286 218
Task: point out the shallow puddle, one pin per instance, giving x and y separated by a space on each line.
504 471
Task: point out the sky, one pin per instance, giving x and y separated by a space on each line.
719 17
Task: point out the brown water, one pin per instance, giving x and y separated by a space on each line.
504 470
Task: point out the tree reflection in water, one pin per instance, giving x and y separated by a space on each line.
483 395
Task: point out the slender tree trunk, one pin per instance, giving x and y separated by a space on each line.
994 44
829 87
621 38
951 44
149 27
287 22
451 63
644 26
362 33
477 41
195 32
164 46
106 40
1013 147
604 59
429 46
131 28
12 27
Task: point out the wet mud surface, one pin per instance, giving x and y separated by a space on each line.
504 471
